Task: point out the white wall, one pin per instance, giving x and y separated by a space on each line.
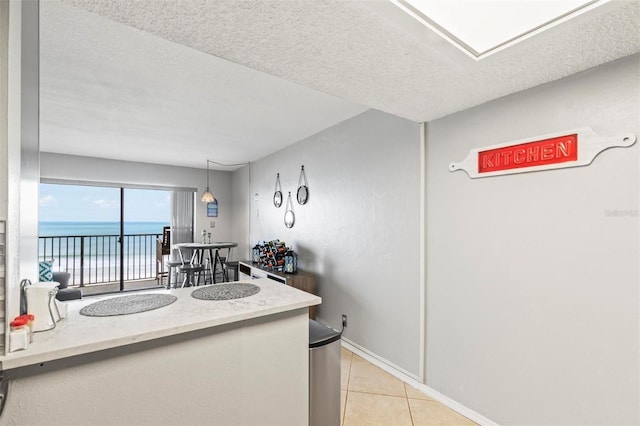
241 182
360 230
532 281
75 168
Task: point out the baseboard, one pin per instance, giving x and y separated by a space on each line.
379 362
414 381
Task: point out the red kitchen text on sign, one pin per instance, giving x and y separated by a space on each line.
539 153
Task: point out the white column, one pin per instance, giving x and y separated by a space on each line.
19 145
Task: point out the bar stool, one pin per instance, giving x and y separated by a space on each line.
209 277
223 271
189 271
172 268
232 266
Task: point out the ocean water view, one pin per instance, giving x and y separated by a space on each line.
59 229
90 251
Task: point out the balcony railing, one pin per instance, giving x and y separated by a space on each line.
94 259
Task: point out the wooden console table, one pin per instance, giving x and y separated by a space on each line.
302 280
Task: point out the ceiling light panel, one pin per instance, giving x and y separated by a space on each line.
481 27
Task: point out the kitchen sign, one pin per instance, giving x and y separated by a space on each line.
567 149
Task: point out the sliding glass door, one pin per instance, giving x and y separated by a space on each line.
79 230
105 237
145 214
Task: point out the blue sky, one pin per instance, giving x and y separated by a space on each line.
70 203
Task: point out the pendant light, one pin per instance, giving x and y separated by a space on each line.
207 196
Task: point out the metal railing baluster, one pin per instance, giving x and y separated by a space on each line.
139 260
91 259
81 261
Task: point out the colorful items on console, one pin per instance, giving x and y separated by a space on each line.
274 255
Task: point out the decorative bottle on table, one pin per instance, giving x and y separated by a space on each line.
290 262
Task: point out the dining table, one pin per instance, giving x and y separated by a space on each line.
197 253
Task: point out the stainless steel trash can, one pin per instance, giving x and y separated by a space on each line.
324 375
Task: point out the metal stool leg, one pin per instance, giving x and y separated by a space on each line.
189 272
206 269
184 281
169 277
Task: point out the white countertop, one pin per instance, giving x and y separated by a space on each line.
77 334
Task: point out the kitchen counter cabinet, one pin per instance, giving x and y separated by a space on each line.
193 362
302 280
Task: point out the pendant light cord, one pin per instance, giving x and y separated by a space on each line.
208 161
227 165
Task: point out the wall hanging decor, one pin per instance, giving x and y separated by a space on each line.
277 195
212 209
303 188
572 148
289 216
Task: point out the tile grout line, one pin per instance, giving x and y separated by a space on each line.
343 415
379 394
404 387
406 396
408 405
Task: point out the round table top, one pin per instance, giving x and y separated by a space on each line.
216 245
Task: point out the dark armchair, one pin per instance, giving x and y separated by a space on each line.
64 291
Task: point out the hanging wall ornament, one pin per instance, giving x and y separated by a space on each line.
277 195
289 217
303 188
572 148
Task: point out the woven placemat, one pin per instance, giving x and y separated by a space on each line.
225 291
126 305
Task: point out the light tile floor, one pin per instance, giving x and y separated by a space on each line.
371 396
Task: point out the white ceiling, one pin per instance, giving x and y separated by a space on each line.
177 82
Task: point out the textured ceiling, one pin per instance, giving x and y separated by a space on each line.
368 54
112 91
